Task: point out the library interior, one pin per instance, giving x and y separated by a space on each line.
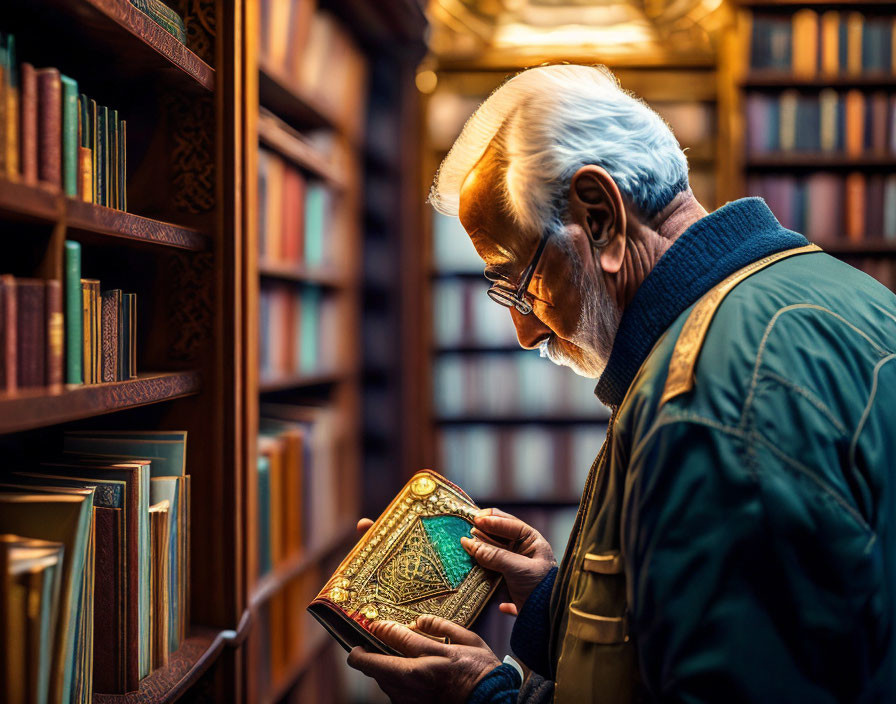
232 325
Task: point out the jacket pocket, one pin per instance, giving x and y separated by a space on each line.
603 630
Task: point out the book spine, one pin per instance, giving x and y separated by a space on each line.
113 159
101 166
29 124
49 149
31 332
96 301
123 165
74 373
11 146
132 335
92 121
55 333
4 82
111 304
8 327
86 347
85 174
70 110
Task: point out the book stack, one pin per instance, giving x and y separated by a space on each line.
300 505
299 330
310 46
100 327
831 207
831 43
31 333
95 543
163 16
54 136
293 213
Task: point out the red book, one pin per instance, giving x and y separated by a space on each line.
293 216
29 124
49 117
855 207
55 333
7 333
31 332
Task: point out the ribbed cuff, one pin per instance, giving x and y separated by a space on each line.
500 686
529 640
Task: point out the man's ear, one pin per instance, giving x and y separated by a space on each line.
595 204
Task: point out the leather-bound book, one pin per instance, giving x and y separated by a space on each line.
130 300
29 124
123 165
49 118
110 660
8 310
74 373
109 333
55 333
70 112
113 159
85 150
31 332
88 330
101 161
409 563
11 133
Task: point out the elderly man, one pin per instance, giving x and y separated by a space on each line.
735 539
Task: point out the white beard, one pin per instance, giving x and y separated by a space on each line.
594 335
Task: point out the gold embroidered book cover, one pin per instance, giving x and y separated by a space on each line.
409 563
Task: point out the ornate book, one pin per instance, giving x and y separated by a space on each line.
409 563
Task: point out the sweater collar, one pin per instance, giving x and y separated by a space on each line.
711 249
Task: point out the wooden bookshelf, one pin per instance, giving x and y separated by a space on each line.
280 137
19 201
40 407
302 274
739 80
287 100
299 381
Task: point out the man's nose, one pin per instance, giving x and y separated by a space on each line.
530 331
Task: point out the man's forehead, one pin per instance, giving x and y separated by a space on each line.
484 216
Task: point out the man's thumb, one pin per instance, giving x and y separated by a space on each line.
492 557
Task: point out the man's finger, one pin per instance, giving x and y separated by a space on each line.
404 640
363 526
437 626
501 527
508 608
494 558
383 668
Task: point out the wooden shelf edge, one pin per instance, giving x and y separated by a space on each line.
289 101
271 583
185 666
782 80
297 381
43 204
35 408
301 274
288 143
146 30
869 247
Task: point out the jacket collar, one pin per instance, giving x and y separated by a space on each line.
711 249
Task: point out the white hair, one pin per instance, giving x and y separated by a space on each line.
548 122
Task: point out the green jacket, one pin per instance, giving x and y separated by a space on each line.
736 543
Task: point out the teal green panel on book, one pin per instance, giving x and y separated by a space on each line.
70 109
445 533
316 198
73 337
166 449
49 607
264 515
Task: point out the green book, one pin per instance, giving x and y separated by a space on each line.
70 110
310 332
315 222
74 369
101 166
264 515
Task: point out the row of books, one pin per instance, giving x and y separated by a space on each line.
525 462
95 564
311 47
829 207
852 122
299 330
31 333
513 384
300 505
832 43
56 136
293 213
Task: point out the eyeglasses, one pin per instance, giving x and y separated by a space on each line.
506 295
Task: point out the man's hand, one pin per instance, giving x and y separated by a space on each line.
432 672
523 562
